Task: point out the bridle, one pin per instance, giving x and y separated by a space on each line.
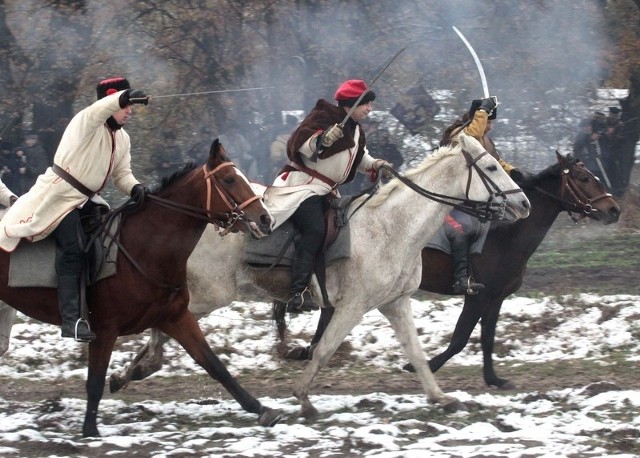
483 210
580 202
225 219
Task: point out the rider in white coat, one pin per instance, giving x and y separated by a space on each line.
93 148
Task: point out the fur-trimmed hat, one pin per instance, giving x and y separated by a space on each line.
349 91
111 86
475 104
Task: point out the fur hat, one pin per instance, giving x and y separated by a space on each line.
475 104
111 86
349 91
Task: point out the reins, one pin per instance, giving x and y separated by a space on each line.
483 210
224 219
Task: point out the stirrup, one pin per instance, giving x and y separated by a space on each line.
83 339
301 302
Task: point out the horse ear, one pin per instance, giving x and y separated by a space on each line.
215 147
561 159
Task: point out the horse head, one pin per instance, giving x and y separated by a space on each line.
244 209
578 190
488 182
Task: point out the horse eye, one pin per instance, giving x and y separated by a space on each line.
229 179
584 178
492 168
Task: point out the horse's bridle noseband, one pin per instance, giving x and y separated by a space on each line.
483 210
226 219
580 202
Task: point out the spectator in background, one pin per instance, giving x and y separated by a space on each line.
8 167
586 146
31 160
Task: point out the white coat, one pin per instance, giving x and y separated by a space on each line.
91 152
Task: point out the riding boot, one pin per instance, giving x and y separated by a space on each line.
300 299
462 282
69 303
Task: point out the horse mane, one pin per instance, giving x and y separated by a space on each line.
385 191
553 170
171 179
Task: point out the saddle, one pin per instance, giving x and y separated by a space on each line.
33 264
278 249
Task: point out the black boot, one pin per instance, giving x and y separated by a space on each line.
462 282
300 299
69 303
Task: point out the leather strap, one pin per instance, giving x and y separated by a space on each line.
66 176
314 174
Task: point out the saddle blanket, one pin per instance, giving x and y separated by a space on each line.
265 251
33 264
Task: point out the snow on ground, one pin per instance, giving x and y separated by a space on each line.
553 424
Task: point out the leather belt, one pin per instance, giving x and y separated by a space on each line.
66 176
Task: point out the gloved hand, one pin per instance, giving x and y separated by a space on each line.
331 135
522 178
138 193
379 164
488 105
131 96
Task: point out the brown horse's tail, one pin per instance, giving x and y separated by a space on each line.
279 318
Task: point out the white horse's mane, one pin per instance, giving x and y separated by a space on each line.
385 191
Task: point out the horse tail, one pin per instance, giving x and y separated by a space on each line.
279 318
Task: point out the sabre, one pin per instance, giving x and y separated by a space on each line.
184 94
483 77
370 85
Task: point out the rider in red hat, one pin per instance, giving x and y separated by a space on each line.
322 154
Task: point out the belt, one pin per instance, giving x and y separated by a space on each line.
66 176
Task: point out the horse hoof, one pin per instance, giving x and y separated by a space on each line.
270 417
408 367
310 413
506 385
298 354
454 405
116 383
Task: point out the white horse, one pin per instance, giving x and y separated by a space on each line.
387 235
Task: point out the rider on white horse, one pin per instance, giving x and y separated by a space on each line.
323 154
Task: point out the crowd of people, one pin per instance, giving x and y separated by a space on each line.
21 165
598 146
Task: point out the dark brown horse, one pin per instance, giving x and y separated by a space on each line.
149 289
565 186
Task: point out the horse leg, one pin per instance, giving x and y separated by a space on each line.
400 317
186 331
99 356
469 317
305 353
7 315
337 330
487 339
147 362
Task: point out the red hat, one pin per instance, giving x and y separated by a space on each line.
349 91
111 86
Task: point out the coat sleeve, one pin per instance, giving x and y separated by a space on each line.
122 175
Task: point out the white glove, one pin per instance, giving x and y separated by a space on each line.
331 135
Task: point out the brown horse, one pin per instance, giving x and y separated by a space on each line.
150 287
565 186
